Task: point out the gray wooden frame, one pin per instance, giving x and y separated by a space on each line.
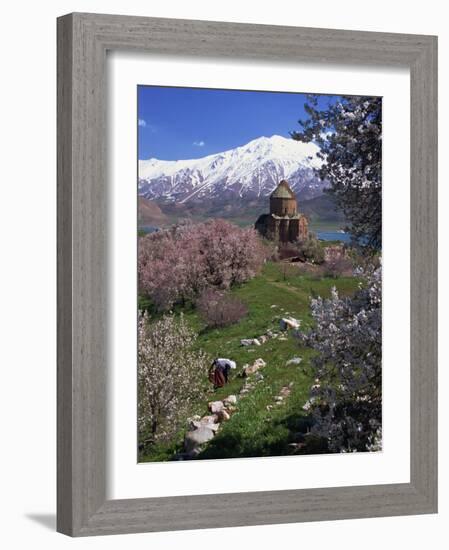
83 40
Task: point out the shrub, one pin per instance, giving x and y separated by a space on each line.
218 309
337 267
307 250
346 400
271 249
310 250
170 376
288 250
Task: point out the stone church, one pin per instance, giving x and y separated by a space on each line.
284 223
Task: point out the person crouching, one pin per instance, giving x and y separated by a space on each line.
219 371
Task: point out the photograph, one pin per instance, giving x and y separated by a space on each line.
259 246
233 275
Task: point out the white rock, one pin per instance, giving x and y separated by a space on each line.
198 424
198 437
246 341
251 369
223 416
193 418
211 419
294 361
213 427
193 424
216 406
249 342
230 400
289 323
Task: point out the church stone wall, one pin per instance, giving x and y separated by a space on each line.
282 207
283 229
284 225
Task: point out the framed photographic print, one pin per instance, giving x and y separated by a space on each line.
246 274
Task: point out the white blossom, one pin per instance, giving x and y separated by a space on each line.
347 402
170 375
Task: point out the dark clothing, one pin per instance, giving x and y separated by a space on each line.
219 379
225 370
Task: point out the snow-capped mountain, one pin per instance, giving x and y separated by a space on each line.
250 171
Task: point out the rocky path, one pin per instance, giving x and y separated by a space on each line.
202 429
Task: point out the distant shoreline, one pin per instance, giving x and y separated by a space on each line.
336 235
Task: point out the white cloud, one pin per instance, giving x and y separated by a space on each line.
199 143
148 127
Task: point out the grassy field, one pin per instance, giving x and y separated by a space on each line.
254 430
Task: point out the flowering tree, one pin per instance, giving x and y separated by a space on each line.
220 309
170 375
346 399
349 133
177 264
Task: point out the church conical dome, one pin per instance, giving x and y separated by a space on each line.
283 191
283 200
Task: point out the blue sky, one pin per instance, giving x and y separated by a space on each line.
183 123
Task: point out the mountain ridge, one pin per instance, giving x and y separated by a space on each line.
246 172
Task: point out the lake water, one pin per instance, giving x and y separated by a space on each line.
333 236
148 228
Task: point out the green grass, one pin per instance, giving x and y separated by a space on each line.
253 430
